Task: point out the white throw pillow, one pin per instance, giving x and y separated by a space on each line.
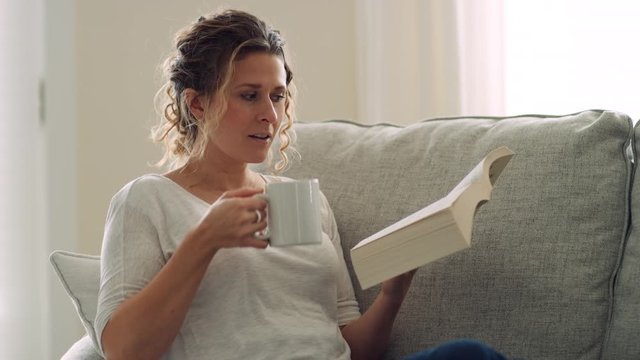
80 276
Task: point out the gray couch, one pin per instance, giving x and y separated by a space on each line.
553 269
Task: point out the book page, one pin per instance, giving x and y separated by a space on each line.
477 174
437 230
497 158
429 210
496 168
474 175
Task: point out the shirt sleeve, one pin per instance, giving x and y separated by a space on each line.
131 256
348 309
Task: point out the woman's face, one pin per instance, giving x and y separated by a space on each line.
255 107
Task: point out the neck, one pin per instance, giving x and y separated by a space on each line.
201 174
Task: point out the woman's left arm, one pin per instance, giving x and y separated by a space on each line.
368 336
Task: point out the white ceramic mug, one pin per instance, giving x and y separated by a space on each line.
293 213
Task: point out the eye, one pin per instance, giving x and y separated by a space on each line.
277 97
250 96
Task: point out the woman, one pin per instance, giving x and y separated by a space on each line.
182 274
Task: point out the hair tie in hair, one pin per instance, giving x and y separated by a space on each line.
201 19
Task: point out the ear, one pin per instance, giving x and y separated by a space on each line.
195 103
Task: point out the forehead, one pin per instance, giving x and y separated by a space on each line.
259 68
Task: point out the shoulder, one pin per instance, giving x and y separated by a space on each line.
142 190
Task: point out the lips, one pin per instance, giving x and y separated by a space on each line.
261 136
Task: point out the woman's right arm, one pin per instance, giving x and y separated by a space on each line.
145 325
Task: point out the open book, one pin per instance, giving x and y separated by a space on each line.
438 230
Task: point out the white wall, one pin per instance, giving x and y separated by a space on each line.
61 167
23 313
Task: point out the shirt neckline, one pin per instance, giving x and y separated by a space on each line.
266 179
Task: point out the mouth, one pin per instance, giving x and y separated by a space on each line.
261 137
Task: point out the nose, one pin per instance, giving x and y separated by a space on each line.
269 111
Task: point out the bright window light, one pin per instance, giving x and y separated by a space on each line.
572 55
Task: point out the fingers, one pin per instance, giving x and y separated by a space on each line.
250 238
255 203
256 243
235 218
246 198
257 226
253 217
252 225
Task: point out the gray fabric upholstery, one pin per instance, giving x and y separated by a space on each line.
536 282
623 341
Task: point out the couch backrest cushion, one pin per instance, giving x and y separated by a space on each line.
536 282
623 340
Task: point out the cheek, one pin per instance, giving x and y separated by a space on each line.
236 108
282 120
281 109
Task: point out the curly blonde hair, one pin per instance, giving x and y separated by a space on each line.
203 60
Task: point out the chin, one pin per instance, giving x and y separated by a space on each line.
257 159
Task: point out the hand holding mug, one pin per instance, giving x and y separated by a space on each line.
232 220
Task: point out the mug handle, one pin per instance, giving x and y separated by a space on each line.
265 234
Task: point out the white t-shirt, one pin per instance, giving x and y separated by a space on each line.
276 303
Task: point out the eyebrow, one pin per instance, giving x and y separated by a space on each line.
257 86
